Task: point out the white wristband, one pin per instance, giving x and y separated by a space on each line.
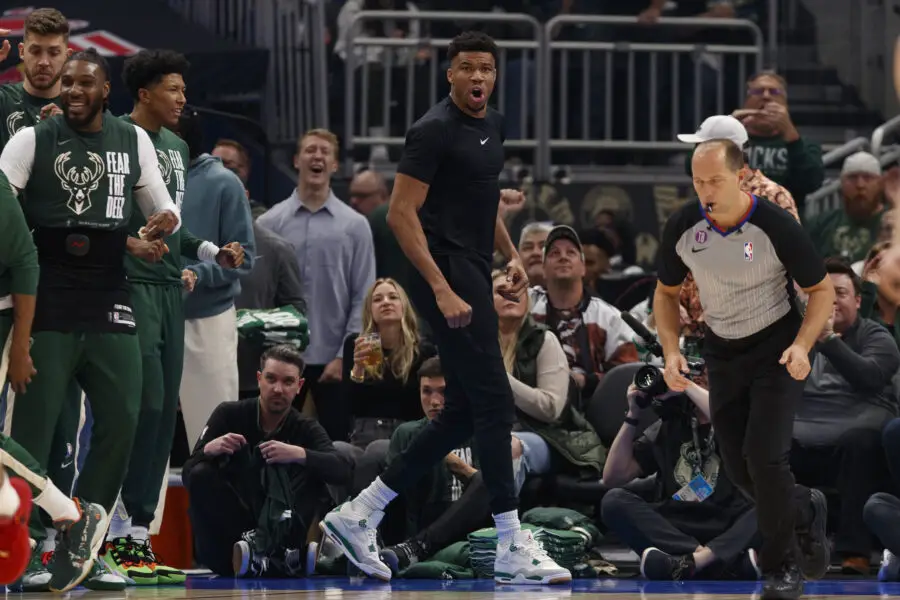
207 252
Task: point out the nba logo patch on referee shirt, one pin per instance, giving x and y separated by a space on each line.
748 251
700 237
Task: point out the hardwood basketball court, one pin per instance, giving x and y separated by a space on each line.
208 588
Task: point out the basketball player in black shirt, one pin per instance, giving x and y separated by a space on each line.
444 214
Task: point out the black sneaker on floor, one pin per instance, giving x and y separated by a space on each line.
785 584
656 565
815 550
402 556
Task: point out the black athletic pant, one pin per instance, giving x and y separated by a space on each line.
855 464
640 525
882 515
218 517
478 398
753 400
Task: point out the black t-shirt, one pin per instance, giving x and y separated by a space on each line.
667 450
460 157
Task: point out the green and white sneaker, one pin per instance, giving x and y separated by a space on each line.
101 579
523 561
121 556
77 543
36 577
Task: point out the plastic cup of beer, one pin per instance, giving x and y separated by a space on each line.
374 362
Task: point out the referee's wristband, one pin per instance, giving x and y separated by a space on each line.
631 421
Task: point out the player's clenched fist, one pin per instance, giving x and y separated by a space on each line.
457 312
230 256
189 280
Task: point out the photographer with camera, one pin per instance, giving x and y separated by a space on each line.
699 523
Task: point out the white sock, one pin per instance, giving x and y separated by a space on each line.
49 544
9 498
507 526
56 504
140 534
119 526
374 498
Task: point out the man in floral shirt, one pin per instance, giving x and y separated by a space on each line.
728 128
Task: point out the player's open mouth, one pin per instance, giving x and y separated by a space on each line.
477 93
317 168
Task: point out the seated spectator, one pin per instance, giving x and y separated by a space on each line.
448 503
699 523
849 231
598 252
593 335
540 380
255 461
847 399
881 288
381 397
775 146
882 510
531 250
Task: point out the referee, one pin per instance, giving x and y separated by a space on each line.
744 253
444 214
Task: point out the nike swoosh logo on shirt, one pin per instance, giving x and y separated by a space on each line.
698 249
484 141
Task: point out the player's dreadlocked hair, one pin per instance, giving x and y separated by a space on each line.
472 41
92 56
147 68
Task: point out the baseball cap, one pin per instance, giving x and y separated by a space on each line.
562 232
15 541
861 162
717 127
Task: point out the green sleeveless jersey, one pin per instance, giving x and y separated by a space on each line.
172 154
79 200
19 109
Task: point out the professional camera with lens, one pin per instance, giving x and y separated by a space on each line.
649 380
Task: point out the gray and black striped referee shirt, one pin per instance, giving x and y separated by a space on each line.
743 273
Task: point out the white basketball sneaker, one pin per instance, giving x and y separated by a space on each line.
356 536
524 561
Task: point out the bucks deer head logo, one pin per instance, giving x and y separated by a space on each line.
79 181
165 166
14 122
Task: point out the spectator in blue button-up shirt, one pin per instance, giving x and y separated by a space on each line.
334 249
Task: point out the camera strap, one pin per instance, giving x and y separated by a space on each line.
701 453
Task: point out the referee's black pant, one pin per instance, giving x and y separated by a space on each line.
753 400
478 398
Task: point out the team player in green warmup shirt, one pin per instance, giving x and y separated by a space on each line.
44 51
80 176
155 80
80 524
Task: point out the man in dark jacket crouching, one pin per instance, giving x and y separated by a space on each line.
257 477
